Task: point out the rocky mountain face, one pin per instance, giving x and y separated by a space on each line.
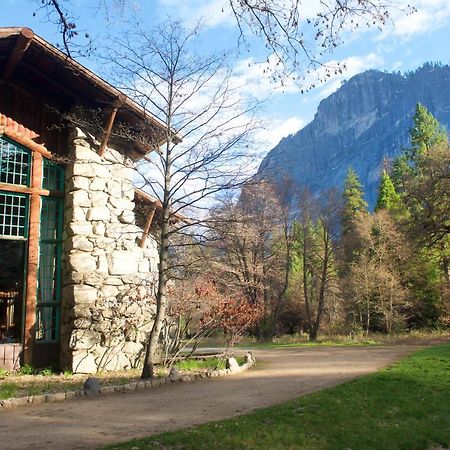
366 120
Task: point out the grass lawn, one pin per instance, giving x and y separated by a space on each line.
301 340
406 406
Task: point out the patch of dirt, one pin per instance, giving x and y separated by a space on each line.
280 375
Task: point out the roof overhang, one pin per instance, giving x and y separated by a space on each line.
29 61
150 201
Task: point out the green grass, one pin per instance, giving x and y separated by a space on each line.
7 390
403 407
324 343
418 337
202 364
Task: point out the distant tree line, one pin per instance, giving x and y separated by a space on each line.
333 266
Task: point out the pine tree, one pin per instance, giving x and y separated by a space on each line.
387 195
425 133
354 207
354 203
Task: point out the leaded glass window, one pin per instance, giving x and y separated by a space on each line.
15 163
13 215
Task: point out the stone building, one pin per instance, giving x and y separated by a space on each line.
77 274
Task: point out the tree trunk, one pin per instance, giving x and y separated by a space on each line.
152 345
305 281
285 281
323 285
161 295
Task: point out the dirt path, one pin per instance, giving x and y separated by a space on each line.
280 375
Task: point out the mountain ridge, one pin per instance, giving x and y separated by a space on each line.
365 121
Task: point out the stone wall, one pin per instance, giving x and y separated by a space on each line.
108 281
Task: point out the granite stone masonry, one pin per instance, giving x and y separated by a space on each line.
108 280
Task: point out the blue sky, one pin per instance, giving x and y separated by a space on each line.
402 45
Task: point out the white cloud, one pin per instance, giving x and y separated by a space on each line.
430 14
354 65
256 79
278 128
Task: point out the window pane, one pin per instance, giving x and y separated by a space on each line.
13 215
15 163
47 325
53 177
12 267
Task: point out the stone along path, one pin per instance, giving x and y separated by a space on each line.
279 375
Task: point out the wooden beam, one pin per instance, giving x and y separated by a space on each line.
120 100
30 190
148 224
23 42
33 259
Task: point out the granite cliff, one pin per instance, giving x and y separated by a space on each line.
365 120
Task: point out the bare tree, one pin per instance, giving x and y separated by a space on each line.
296 34
315 237
251 240
207 134
376 280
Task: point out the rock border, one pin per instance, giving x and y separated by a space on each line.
233 368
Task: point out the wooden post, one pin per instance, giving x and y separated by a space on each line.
33 259
112 116
148 224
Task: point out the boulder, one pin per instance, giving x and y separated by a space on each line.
249 358
233 365
174 374
91 386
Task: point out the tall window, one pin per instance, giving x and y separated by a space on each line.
16 165
15 170
50 250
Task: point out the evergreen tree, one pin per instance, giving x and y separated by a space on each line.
387 195
354 203
354 207
425 133
399 171
422 178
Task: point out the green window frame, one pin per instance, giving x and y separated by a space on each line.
53 176
15 163
15 169
48 302
14 212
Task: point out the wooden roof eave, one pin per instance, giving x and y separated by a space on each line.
26 38
21 46
153 201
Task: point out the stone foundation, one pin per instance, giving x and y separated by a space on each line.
108 280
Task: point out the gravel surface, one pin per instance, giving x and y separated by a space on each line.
279 375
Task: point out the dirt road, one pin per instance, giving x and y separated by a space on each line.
280 375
